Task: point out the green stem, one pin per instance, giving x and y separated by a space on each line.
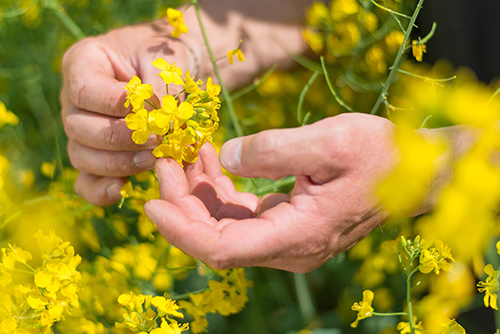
393 12
303 95
408 298
254 84
152 105
186 295
427 78
304 296
397 61
18 12
225 92
332 90
275 185
389 314
61 14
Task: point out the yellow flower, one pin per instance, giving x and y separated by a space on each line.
166 307
7 116
418 49
364 307
404 327
139 122
239 54
435 258
169 72
490 287
47 169
9 325
137 93
452 327
191 86
498 247
176 19
170 327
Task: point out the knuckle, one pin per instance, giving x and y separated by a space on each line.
69 124
113 139
73 154
76 87
219 260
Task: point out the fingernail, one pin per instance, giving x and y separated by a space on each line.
144 160
114 191
230 154
152 141
158 169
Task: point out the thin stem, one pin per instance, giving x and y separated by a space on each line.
186 295
427 78
152 105
332 90
17 12
303 95
408 297
182 91
304 297
395 17
68 22
389 314
494 95
397 61
275 185
254 84
390 10
225 92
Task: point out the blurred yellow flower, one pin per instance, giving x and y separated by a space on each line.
176 19
490 287
7 116
239 54
364 307
48 168
404 327
452 327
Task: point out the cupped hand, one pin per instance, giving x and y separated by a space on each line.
95 71
337 163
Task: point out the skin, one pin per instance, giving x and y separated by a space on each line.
337 161
95 71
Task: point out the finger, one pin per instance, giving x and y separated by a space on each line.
247 242
109 163
90 80
174 188
270 201
98 190
309 150
102 132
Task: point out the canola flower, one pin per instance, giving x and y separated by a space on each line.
238 53
490 287
185 126
176 19
364 307
435 258
405 327
418 49
34 299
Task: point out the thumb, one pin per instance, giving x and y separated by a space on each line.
273 154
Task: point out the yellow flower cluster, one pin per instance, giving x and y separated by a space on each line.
185 126
225 297
32 300
142 318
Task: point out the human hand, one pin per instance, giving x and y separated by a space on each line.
337 163
95 71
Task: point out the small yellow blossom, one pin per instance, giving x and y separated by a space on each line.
490 287
435 258
176 19
139 122
166 307
452 327
404 327
169 72
137 92
364 307
239 54
418 49
47 169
